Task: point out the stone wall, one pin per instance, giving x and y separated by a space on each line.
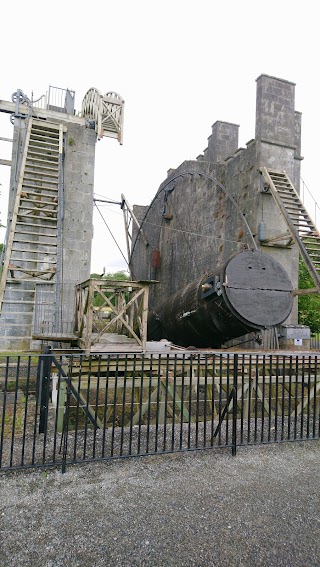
78 202
196 225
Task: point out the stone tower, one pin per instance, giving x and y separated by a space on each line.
49 224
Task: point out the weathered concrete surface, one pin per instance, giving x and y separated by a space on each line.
206 509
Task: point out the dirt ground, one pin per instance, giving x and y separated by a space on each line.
204 509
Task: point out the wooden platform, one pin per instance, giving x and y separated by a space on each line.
57 337
111 342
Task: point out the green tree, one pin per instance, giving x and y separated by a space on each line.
121 275
115 276
308 305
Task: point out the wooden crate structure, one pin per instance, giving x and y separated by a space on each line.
104 306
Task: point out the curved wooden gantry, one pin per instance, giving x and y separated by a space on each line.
106 111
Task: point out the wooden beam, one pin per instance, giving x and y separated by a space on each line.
308 291
24 109
144 318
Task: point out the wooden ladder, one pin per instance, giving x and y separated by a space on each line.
32 246
301 226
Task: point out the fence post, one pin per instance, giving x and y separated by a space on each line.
66 424
234 405
44 370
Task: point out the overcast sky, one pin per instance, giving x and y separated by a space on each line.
179 65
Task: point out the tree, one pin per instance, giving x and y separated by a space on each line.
121 275
116 276
308 305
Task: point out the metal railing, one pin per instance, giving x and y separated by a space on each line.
57 99
73 409
54 311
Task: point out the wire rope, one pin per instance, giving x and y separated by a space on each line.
201 174
114 239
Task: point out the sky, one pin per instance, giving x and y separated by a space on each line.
180 65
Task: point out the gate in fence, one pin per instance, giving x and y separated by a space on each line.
73 409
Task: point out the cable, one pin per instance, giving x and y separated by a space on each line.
201 174
110 202
114 240
190 232
167 227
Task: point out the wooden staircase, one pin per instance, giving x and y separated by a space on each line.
32 249
301 226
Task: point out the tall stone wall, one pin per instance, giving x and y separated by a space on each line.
195 225
78 202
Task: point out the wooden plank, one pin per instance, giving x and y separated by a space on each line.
308 398
82 402
10 108
309 291
179 380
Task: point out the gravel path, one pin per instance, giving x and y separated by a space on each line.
204 509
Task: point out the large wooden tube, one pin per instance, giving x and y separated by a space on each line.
252 291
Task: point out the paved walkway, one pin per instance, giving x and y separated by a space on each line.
204 509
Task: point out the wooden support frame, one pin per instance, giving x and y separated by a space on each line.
106 111
124 302
257 388
164 394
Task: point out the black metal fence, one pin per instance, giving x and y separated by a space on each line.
72 409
